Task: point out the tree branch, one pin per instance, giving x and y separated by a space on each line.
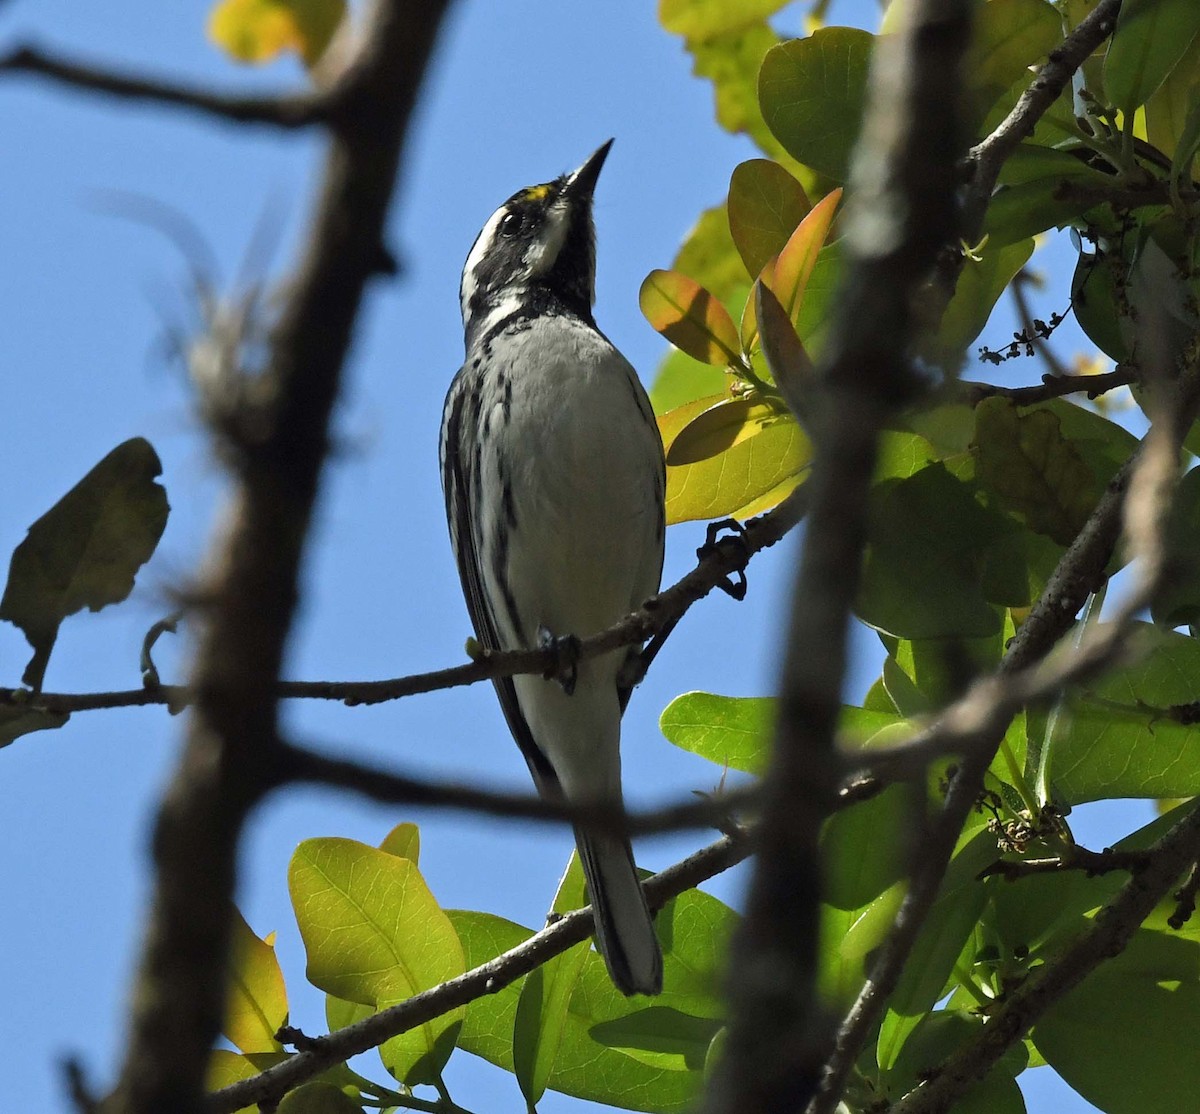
288 110
900 218
1073 858
1111 930
1051 386
489 977
729 556
251 582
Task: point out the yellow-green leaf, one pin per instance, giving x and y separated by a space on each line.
318 1097
765 205
1167 111
790 365
257 31
689 317
702 19
738 477
374 934
403 840
1151 38
257 1004
226 1068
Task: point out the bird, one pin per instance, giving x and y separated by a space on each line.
554 480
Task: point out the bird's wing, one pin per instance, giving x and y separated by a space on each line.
459 474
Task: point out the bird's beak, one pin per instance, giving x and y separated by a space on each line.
581 184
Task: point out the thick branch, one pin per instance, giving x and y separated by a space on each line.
1051 386
902 216
1111 930
324 1052
289 110
252 579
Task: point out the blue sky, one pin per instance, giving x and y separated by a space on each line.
519 92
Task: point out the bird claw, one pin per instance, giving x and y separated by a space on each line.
734 584
565 667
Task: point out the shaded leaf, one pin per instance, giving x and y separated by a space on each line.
1151 38
789 363
720 427
660 1035
689 317
404 841
1168 110
765 205
318 1098
982 281
864 848
374 934
926 558
226 1068
682 380
1116 1037
1009 36
258 31
16 721
86 550
1177 601
812 93
791 272
257 1004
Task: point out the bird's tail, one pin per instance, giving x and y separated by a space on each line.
624 930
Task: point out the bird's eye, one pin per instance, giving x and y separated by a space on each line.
511 224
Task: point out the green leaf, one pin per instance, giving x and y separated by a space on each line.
765 205
689 317
864 848
226 1068
374 934
318 1098
947 928
719 428
1100 301
708 256
1151 38
257 1004
1170 109
660 1036
789 363
1009 37
789 277
702 19
732 731
812 93
404 841
924 570
1118 738
257 31
1037 472
487 1029
681 380
1029 200
1116 1037
813 314
541 1014
85 550
982 281
16 721
1177 601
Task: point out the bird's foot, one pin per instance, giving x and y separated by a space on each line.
734 584
565 667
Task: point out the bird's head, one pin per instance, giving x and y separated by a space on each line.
539 244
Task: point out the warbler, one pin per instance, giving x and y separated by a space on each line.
554 478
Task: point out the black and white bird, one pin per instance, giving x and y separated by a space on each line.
553 473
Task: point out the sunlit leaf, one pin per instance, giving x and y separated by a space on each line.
318 1097
86 550
731 731
403 840
1119 738
1151 38
689 317
374 934
258 31
789 363
765 205
812 93
1168 110
865 848
541 1014
226 1068
257 1003
702 19
796 262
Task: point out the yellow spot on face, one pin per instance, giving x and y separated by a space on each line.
535 193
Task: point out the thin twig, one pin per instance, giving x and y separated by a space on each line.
1074 858
286 110
271 1085
728 556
